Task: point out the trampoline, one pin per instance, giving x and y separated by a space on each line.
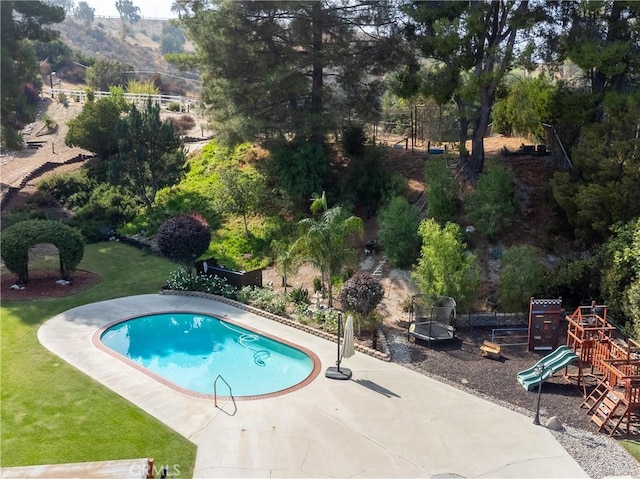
433 318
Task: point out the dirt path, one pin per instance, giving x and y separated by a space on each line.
17 165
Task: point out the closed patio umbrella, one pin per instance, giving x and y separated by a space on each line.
334 372
348 348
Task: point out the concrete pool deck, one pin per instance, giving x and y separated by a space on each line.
387 421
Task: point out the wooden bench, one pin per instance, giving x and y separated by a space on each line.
490 350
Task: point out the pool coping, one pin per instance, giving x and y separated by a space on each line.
315 370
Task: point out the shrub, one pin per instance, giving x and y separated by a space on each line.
366 182
361 294
631 306
264 299
183 239
17 239
398 232
110 205
299 296
445 268
521 278
93 230
63 99
301 169
172 202
70 189
442 191
23 213
492 205
173 106
327 319
353 140
317 284
41 199
576 280
179 280
182 124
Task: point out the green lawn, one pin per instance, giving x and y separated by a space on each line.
52 413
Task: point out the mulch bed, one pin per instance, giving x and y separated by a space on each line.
42 284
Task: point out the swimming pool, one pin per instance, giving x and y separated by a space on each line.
188 351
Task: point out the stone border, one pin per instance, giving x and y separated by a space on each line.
383 356
38 171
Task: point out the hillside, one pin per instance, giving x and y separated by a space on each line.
140 48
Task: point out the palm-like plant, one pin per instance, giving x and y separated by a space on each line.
286 262
324 243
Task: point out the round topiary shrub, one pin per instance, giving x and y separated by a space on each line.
183 239
18 238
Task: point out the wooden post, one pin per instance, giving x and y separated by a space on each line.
150 471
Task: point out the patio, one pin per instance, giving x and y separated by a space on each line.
388 421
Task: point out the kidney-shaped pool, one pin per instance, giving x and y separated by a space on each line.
188 351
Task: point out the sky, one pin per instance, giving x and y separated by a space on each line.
148 8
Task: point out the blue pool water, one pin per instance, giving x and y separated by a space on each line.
191 350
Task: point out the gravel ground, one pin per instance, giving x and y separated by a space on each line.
460 364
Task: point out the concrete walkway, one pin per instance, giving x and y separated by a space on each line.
388 421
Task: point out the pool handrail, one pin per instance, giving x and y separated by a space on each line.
215 393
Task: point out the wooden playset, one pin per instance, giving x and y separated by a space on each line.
609 367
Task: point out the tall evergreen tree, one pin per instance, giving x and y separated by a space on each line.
603 39
151 154
19 72
272 68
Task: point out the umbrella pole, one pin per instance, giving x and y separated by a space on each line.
339 325
334 372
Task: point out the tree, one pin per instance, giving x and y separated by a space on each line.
445 268
173 39
472 45
324 243
242 192
286 262
632 306
22 22
301 168
492 204
67 5
362 293
150 154
521 277
602 39
266 65
184 239
105 73
398 232
85 13
95 128
128 11
179 7
54 52
602 189
620 267
525 108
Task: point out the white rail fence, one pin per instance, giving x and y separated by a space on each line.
184 103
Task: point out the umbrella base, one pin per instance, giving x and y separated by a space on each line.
338 373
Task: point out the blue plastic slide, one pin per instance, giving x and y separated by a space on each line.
560 358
